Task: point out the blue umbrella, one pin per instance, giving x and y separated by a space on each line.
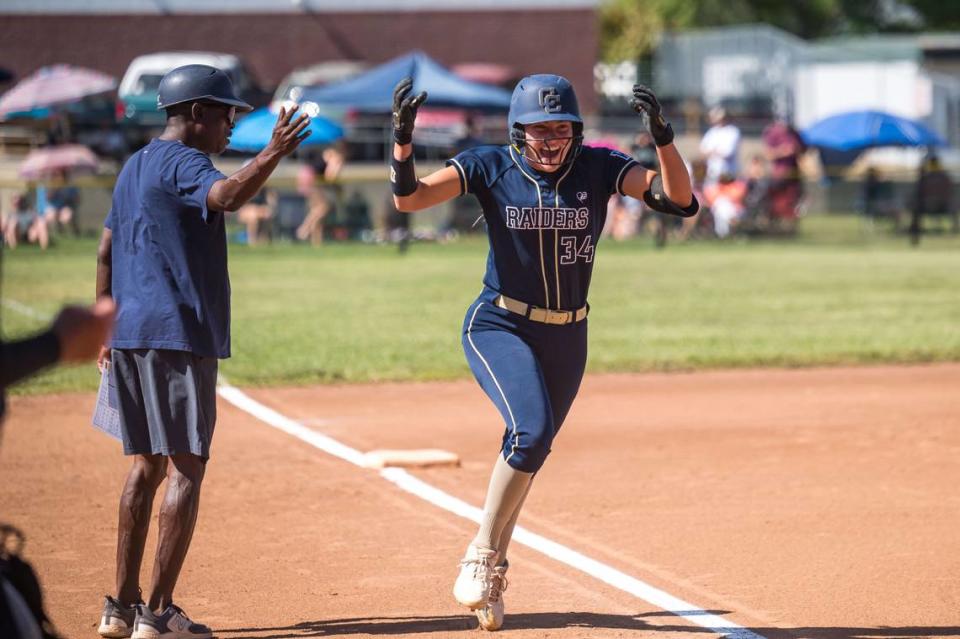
859 130
253 132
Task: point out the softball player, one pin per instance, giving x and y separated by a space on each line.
544 198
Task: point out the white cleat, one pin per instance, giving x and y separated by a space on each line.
472 587
491 615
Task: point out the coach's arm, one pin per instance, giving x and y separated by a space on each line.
235 191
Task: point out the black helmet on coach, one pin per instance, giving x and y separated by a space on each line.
544 98
193 82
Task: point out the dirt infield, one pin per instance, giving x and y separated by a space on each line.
797 503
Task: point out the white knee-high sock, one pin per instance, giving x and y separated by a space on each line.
507 533
507 489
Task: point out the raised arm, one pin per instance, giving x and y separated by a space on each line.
409 193
235 191
670 190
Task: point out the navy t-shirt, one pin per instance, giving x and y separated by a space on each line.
169 266
543 227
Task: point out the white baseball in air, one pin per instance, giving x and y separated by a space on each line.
312 109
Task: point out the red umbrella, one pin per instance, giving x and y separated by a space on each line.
43 163
57 84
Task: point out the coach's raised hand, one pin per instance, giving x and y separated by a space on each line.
405 110
288 132
644 101
235 191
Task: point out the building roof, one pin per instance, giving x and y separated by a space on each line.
73 7
871 48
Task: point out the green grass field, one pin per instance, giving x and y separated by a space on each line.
356 313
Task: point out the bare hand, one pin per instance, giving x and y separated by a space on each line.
82 332
103 358
288 132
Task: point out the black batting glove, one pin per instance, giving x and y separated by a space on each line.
405 110
644 101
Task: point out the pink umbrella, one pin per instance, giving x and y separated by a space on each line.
487 73
606 143
57 84
42 163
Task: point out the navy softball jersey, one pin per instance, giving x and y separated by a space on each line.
543 229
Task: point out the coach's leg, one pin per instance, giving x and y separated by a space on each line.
136 505
178 515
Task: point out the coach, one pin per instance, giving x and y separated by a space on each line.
163 259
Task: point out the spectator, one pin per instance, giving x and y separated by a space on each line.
700 224
756 200
879 199
25 224
315 183
62 203
934 195
720 146
783 147
623 217
17 222
726 201
357 214
645 151
258 213
39 232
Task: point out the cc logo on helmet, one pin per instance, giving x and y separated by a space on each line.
550 100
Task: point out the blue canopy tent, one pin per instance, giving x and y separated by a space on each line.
372 91
253 132
859 130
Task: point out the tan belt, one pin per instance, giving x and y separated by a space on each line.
537 314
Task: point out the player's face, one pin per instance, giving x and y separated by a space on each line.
548 144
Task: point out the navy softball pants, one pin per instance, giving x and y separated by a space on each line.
531 371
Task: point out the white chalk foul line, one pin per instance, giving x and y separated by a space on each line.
564 554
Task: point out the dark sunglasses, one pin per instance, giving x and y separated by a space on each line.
230 111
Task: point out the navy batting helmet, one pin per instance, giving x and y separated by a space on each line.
544 98
194 82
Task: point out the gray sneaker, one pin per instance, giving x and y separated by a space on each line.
117 619
172 623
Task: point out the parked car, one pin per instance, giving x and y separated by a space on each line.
291 87
137 104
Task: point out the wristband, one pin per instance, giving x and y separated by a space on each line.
402 136
403 176
662 136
